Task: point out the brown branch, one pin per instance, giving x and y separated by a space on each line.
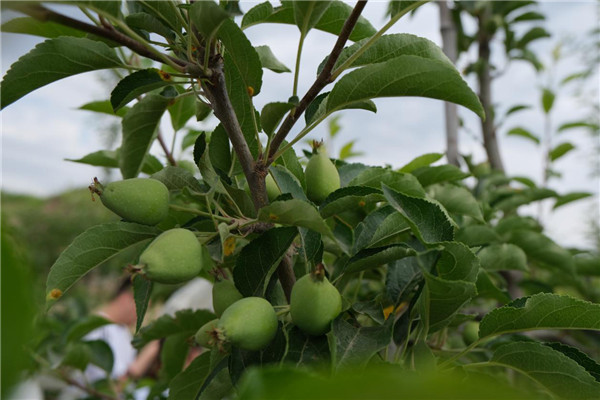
169 155
91 391
322 80
286 275
43 14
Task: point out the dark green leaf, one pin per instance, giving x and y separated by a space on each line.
560 150
269 61
294 212
52 60
32 26
349 198
183 322
163 11
149 24
502 257
534 33
139 128
548 97
441 173
287 182
517 108
82 328
110 159
207 17
219 151
375 257
308 13
142 289
181 110
355 346
104 107
519 131
405 274
289 159
174 351
176 178
542 250
378 227
136 84
376 176
259 258
578 124
186 385
529 16
421 161
272 114
477 235
591 366
570 197
306 350
101 354
90 249
487 289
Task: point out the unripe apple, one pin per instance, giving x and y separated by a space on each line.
175 256
141 200
470 332
314 303
273 190
250 324
224 294
322 178
205 336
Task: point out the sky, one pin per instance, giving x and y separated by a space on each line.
45 127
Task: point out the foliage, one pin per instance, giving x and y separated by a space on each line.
415 253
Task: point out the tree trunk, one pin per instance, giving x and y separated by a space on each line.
448 31
490 141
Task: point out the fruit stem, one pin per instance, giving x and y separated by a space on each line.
319 273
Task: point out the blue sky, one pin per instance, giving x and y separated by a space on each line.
44 128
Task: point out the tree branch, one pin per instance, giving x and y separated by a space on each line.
168 154
322 80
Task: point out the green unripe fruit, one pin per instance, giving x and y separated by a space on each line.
250 324
141 200
322 178
224 294
470 332
205 336
314 304
273 190
175 256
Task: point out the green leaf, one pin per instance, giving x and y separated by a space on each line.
305 349
139 129
457 200
529 16
317 110
181 110
207 17
379 226
219 151
308 13
269 61
272 114
542 250
524 133
570 197
405 274
150 24
90 249
578 124
142 289
502 257
52 60
355 346
88 324
349 198
552 369
294 212
391 46
110 159
190 138
457 263
376 176
487 289
287 182
32 26
477 235
101 354
541 311
404 76
289 159
375 257
426 219
548 97
258 260
136 84
560 150
104 107
184 322
77 356
517 108
187 384
441 173
174 351
421 161
347 151
534 33
591 366
176 178
164 12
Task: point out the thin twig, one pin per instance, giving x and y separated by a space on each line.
322 80
163 144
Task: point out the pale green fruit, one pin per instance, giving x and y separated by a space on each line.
224 294
175 256
470 332
250 324
322 178
205 337
314 304
273 190
141 200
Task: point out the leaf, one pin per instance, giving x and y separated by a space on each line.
103 107
347 151
457 263
517 108
187 384
375 257
503 257
355 346
272 114
529 16
426 219
541 311
181 110
176 178
53 60
258 260
32 26
184 322
379 226
405 274
287 182
548 97
149 24
142 289
519 131
289 160
88 324
555 371
404 76
110 159
136 84
591 366
487 289
534 33
388 47
441 173
219 151
457 200
90 249
317 110
349 198
560 150
101 354
570 197
421 161
578 124
207 17
164 12
477 235
306 350
308 13
542 250
269 61
294 212
376 176
139 128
